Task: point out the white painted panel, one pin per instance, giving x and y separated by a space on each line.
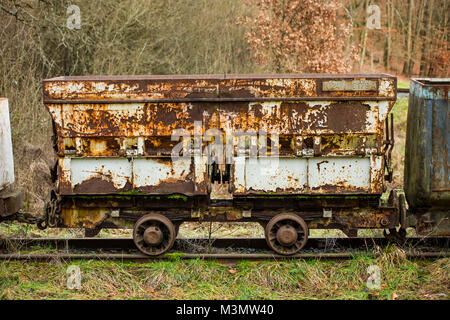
151 172
270 175
66 171
239 175
376 174
300 175
349 85
293 175
372 117
118 171
6 151
200 169
349 172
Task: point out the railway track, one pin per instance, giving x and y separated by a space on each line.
219 249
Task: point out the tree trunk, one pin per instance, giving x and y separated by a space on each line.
415 40
388 42
440 66
424 59
363 36
408 38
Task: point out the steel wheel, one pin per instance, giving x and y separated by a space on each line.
286 234
154 234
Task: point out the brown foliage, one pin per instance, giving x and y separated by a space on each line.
300 36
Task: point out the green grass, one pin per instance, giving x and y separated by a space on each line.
400 112
198 279
403 84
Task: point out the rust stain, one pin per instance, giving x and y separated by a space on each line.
132 118
99 186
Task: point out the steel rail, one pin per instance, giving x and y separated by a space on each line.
254 243
345 247
211 256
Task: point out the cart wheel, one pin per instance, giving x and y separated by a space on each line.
154 234
286 234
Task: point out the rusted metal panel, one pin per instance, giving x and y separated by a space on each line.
427 184
311 175
428 144
342 218
198 87
10 202
287 118
6 151
114 134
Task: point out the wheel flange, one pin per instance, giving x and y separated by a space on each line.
286 234
154 234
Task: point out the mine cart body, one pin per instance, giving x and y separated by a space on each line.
427 185
10 201
313 145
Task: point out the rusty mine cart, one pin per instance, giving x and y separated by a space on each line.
292 152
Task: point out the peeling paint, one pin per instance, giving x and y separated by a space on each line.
113 136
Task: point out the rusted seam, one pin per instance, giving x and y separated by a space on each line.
128 101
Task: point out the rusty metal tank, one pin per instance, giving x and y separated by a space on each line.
230 147
10 201
427 186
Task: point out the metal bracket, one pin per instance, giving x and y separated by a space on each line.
388 146
10 203
327 213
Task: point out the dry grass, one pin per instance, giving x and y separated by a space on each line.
400 112
197 279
